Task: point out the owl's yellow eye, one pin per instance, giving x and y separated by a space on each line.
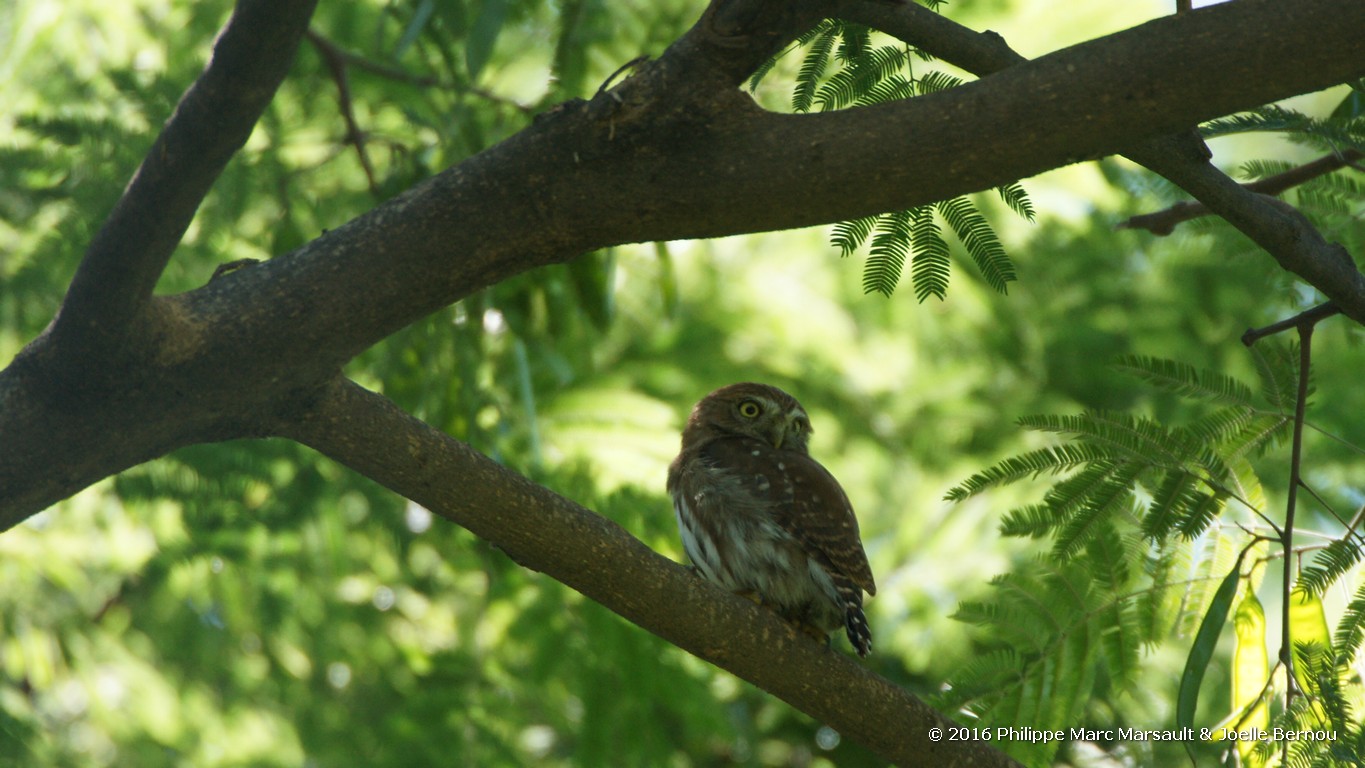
749 409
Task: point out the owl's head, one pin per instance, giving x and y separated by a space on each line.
750 410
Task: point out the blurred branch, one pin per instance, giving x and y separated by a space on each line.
1308 317
211 122
1163 222
336 64
1278 228
397 74
550 534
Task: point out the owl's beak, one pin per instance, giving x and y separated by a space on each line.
786 427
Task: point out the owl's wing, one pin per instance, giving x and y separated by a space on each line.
805 499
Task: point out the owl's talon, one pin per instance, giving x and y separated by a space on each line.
751 595
814 632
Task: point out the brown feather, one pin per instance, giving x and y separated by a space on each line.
757 514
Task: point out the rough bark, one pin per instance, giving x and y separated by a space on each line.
674 151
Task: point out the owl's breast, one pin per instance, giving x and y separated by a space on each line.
730 504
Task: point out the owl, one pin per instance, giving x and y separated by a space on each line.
760 517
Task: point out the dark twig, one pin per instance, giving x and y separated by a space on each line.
629 65
1309 317
1305 327
389 72
1304 322
1163 222
1350 527
337 64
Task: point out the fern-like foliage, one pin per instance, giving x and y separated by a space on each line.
1334 202
1350 632
1330 134
1187 473
1130 511
889 247
1331 563
975 232
847 65
1060 628
1015 197
849 235
821 41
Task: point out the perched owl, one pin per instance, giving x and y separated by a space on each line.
759 516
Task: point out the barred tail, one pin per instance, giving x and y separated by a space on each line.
855 621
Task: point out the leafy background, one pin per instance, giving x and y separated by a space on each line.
253 604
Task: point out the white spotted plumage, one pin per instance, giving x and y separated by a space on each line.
757 515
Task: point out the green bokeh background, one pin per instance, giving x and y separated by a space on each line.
251 603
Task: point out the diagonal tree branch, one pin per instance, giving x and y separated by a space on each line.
1162 223
548 533
675 151
211 122
1278 228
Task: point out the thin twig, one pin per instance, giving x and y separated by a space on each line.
1163 222
337 63
398 74
1351 532
629 65
1295 480
1308 318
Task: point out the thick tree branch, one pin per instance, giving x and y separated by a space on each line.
674 151
548 533
212 121
1278 228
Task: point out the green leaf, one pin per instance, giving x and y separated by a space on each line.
1052 459
1307 626
1351 629
483 35
929 270
1250 674
1186 380
813 66
1017 199
980 241
1034 521
887 257
1250 661
1201 652
848 85
849 235
1353 105
933 82
1333 562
